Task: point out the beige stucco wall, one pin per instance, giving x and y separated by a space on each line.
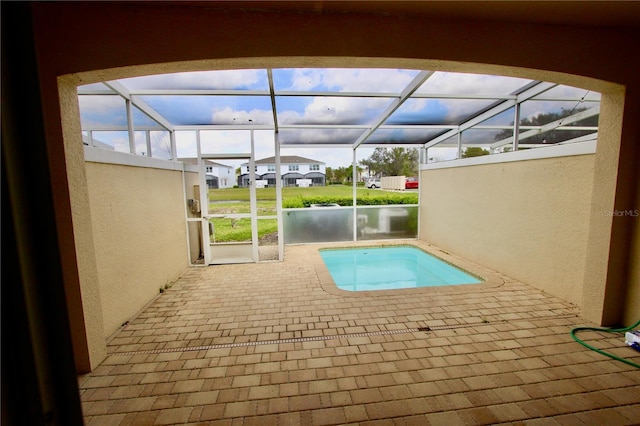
85 306
527 219
139 233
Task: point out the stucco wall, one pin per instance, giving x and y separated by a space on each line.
527 219
139 235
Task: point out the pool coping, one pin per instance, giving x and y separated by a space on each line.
490 278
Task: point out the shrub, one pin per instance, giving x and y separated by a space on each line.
367 199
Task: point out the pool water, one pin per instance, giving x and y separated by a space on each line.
389 268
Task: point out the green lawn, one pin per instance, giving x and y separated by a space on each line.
287 193
236 200
294 197
226 230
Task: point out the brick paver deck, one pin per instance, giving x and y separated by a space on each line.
278 344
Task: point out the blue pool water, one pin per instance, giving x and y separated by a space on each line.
389 268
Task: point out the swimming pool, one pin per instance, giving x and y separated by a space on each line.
389 268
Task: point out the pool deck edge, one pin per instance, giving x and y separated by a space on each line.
490 278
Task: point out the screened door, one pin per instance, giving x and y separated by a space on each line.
229 215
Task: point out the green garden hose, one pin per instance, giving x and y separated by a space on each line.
607 330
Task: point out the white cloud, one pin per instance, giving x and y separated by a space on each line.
160 144
415 105
264 143
351 79
228 115
332 110
120 144
335 110
460 83
225 79
225 141
461 109
102 110
436 154
186 144
333 157
98 104
320 136
570 91
532 108
306 79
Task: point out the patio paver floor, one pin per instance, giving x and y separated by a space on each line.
269 344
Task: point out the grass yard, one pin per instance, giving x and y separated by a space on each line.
294 197
287 192
236 200
227 230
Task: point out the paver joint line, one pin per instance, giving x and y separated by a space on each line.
317 338
264 342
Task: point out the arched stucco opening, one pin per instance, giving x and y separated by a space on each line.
603 191
85 42
55 45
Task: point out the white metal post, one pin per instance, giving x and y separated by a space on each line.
516 127
132 136
174 151
148 135
186 216
279 198
204 203
253 201
354 175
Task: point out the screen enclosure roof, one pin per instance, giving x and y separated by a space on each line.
345 107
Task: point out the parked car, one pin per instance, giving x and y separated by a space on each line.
373 183
411 183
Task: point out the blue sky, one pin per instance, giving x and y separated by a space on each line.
304 110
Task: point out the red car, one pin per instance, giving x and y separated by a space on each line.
411 183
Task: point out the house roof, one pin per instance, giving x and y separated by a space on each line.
289 159
194 162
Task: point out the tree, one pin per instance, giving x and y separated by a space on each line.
339 174
329 172
474 151
392 162
375 163
349 172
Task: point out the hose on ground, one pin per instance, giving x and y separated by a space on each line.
606 330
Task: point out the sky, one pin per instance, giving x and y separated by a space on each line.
306 110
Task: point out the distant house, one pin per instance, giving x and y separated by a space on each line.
295 171
218 176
